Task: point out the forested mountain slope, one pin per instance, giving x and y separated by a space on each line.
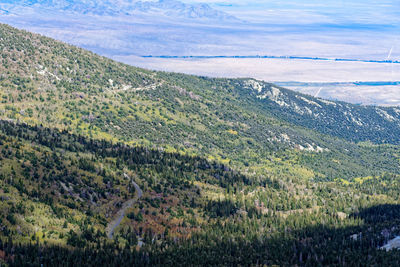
59 192
42 71
233 171
50 83
80 183
352 122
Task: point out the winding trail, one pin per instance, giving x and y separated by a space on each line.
121 213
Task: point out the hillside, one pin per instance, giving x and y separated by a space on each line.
61 191
355 123
233 171
79 184
57 85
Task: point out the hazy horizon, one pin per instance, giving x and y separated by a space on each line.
126 30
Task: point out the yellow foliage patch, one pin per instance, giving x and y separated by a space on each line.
361 180
232 132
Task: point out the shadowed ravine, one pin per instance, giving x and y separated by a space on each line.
121 213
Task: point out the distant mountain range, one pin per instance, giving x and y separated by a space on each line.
179 9
170 8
